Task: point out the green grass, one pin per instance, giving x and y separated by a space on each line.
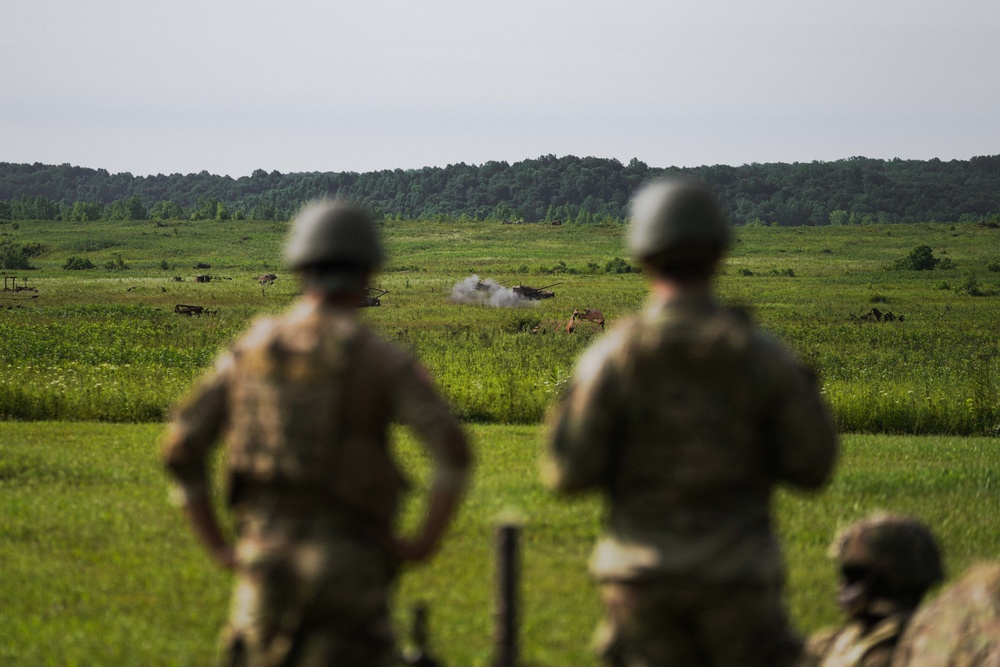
100 570
106 345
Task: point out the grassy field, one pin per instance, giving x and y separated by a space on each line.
106 345
100 570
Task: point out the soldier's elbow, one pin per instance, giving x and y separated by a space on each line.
812 481
813 475
557 478
460 450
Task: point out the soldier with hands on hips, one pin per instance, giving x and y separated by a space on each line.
304 403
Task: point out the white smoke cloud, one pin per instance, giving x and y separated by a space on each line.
487 293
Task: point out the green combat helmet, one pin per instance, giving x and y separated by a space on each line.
887 562
333 233
671 214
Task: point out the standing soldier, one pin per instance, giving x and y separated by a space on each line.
304 403
686 418
887 563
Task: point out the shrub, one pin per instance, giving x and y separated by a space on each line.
116 264
970 285
946 264
619 265
78 264
13 258
33 249
744 271
921 258
559 268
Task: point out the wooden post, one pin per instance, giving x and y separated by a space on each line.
505 615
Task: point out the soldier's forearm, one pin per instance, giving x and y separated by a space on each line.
203 521
441 508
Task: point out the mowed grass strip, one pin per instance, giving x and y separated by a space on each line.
98 569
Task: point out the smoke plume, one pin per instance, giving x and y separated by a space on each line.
487 293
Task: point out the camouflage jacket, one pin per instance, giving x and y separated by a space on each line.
685 418
854 645
960 628
304 403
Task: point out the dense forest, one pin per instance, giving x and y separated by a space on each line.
583 190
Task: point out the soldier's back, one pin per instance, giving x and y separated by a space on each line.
302 383
710 411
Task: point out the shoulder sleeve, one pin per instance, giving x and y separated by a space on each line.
880 656
194 429
798 425
417 404
817 647
587 421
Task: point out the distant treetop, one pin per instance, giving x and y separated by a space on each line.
855 190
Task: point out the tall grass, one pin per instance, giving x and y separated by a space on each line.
101 345
107 363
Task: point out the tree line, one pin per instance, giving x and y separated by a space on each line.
585 190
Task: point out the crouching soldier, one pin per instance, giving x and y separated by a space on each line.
887 563
304 402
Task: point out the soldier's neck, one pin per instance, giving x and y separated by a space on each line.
326 299
665 290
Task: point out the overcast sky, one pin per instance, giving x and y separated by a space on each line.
359 85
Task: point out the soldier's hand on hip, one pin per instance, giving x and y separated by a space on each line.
225 556
412 550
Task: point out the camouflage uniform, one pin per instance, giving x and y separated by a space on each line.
686 418
961 628
887 563
304 403
856 644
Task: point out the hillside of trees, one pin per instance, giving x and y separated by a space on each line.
852 191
